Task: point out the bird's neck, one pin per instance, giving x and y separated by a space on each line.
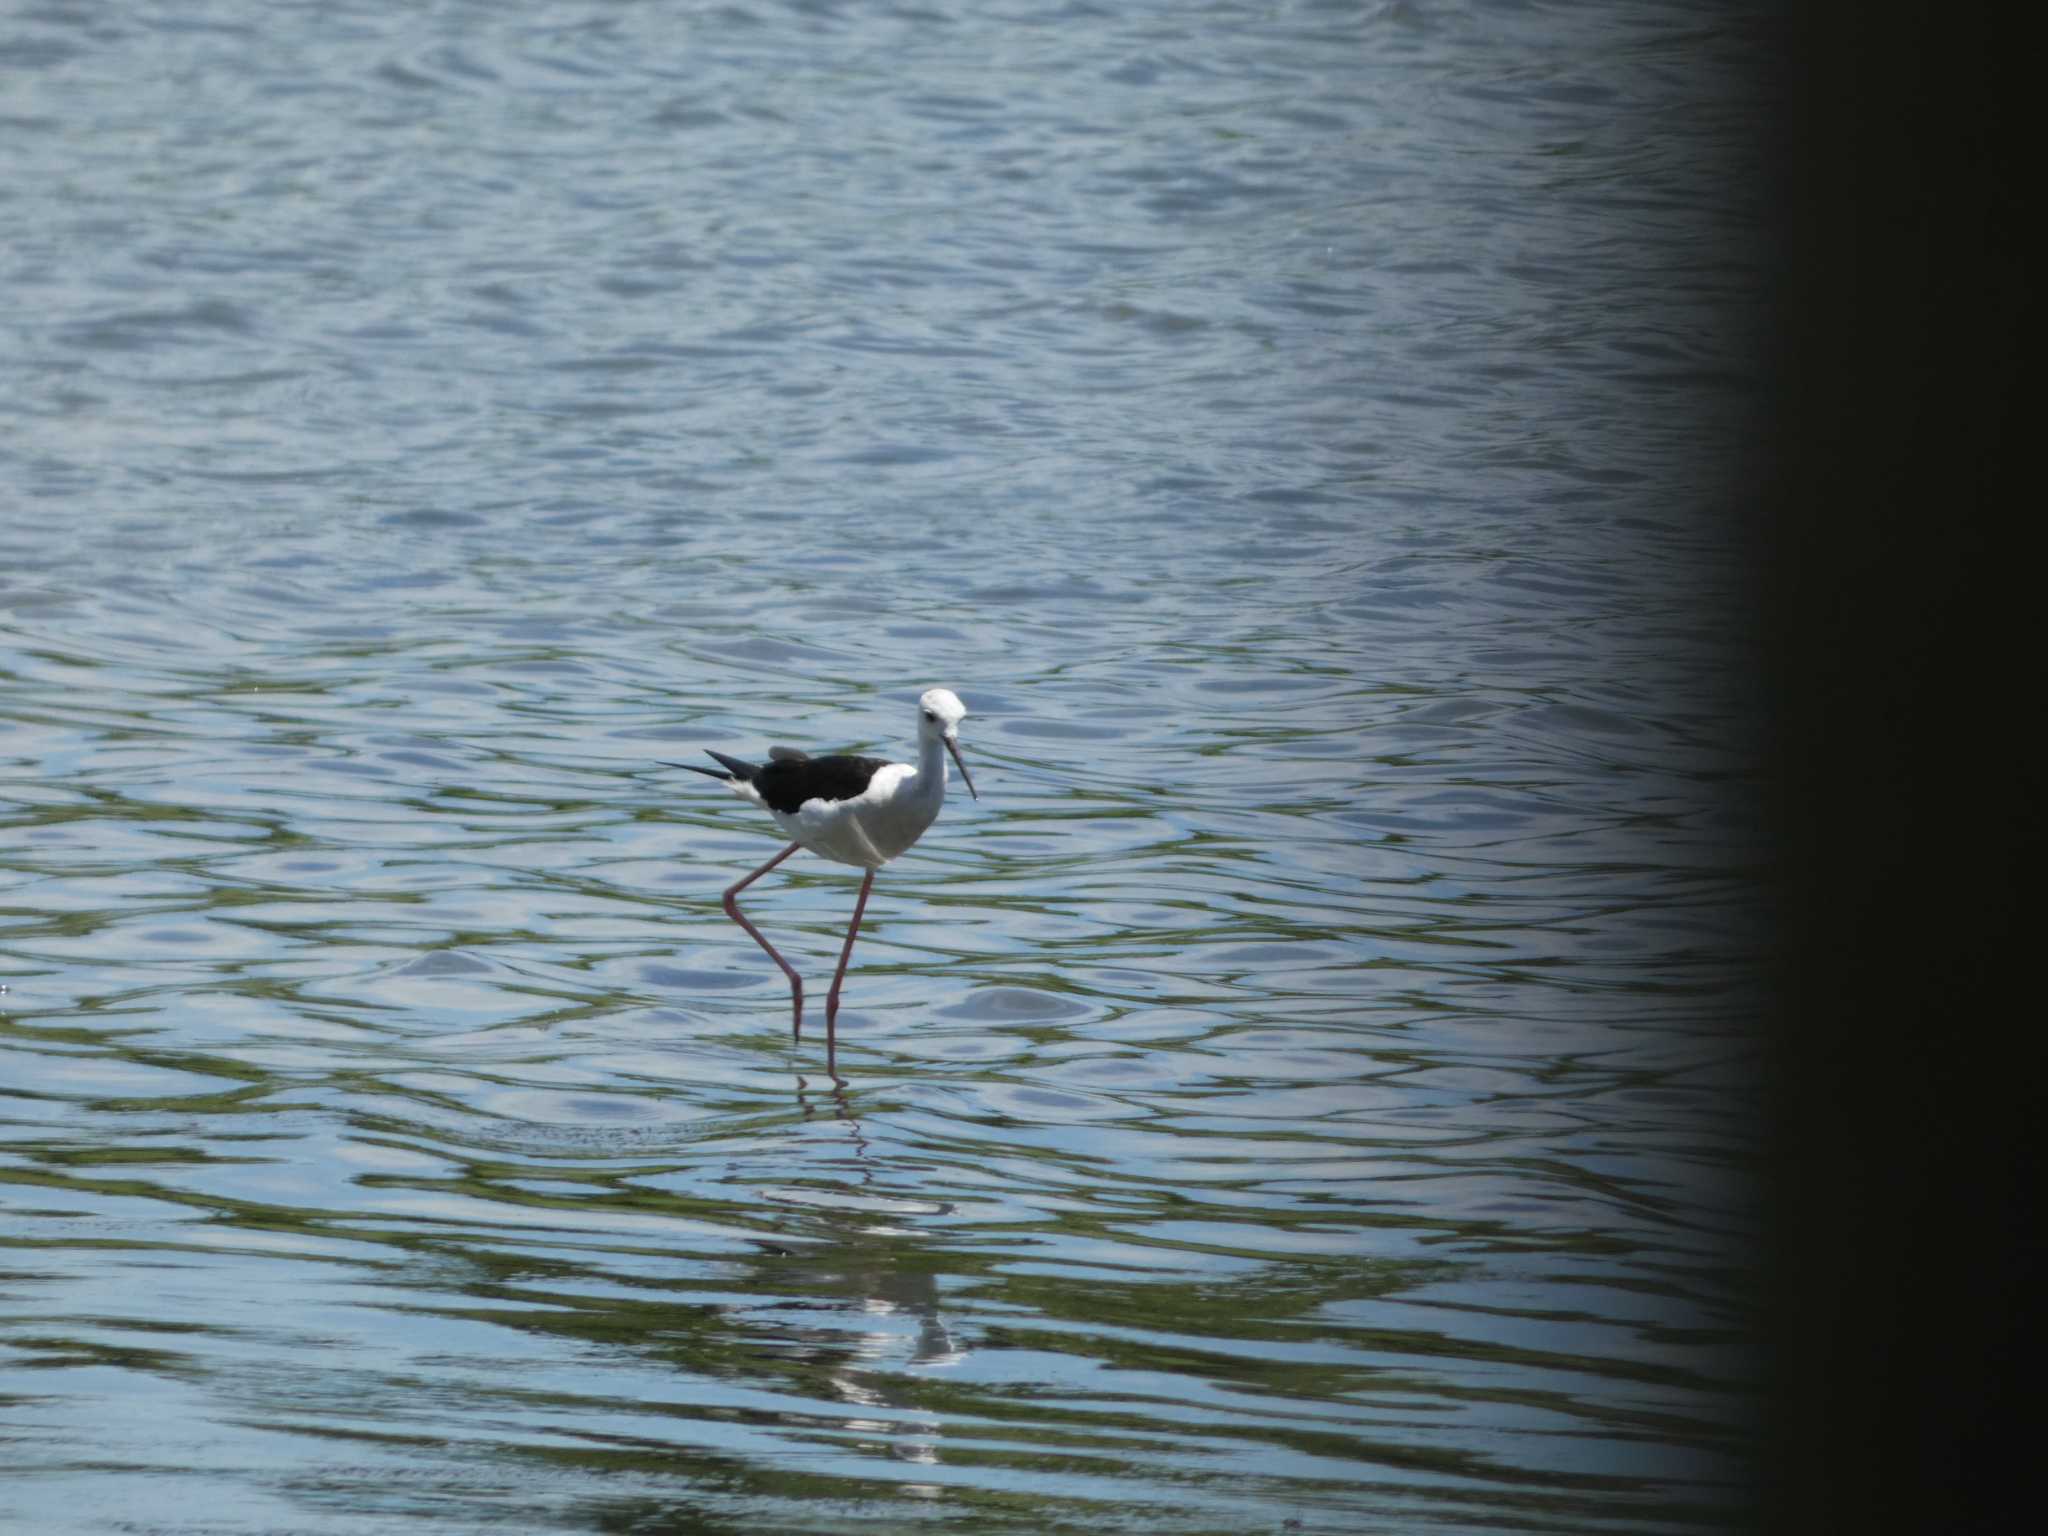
931 769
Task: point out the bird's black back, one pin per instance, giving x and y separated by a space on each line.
790 778
787 783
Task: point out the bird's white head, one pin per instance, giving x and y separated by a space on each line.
940 710
939 713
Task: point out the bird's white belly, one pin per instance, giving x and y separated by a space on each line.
868 830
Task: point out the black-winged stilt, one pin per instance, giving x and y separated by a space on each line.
853 810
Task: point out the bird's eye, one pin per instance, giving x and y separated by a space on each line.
931 717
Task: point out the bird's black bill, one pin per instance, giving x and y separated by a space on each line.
962 767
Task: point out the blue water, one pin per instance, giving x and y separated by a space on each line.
1308 1090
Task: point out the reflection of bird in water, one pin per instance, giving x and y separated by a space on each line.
853 810
841 1109
862 1287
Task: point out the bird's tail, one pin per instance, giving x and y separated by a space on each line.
729 769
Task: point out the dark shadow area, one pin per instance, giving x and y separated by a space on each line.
1901 575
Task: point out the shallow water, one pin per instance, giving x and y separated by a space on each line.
1308 1085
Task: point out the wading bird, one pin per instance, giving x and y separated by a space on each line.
853 810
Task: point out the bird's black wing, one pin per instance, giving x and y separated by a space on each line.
786 783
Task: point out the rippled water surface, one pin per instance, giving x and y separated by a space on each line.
1304 1092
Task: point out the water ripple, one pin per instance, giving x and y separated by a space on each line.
1304 1091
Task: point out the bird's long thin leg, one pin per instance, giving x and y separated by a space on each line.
732 910
832 998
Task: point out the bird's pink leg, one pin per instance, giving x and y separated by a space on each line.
832 998
732 910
